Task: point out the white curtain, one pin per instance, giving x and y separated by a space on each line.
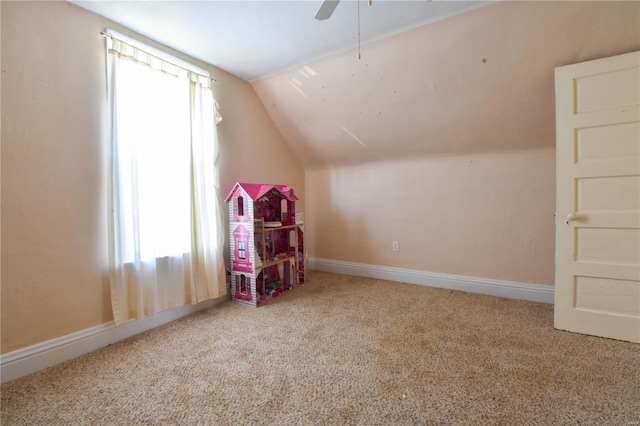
165 219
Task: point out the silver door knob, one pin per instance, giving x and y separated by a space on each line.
571 217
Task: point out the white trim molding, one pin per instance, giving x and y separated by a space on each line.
507 289
34 358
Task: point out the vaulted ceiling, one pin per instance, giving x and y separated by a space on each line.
253 39
478 82
419 85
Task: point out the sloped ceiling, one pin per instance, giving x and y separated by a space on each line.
253 39
478 82
432 79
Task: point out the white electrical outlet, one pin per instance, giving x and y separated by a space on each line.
395 246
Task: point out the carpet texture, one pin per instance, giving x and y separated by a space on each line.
340 351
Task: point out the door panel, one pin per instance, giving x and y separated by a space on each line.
607 296
608 193
598 197
608 245
613 89
622 142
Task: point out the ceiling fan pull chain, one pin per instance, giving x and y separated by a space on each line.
358 1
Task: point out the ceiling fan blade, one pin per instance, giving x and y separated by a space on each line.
326 10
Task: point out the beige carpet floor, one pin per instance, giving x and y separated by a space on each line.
344 351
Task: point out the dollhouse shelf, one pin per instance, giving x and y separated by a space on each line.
266 243
261 227
276 262
279 228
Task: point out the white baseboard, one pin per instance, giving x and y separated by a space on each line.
507 289
46 354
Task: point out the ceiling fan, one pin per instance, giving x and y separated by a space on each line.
327 8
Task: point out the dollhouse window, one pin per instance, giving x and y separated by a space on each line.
240 206
243 284
242 249
284 210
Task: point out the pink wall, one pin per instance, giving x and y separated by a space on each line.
443 137
251 147
480 215
457 165
54 237
477 82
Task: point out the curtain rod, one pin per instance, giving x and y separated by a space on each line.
104 34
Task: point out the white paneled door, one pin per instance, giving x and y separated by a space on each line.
597 288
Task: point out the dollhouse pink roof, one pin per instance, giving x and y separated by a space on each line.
257 190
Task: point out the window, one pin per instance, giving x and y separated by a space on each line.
154 161
284 211
165 224
242 249
240 202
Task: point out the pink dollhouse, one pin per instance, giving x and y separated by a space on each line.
266 243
